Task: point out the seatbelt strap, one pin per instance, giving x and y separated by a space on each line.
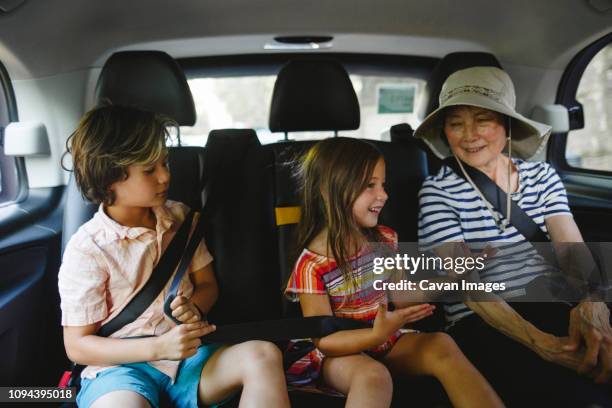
497 197
159 277
282 329
192 245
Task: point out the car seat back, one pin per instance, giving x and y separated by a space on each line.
321 97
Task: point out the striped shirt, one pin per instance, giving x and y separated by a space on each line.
450 209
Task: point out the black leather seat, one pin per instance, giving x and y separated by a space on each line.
318 96
239 230
313 95
309 95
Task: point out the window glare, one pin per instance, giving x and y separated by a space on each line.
244 102
591 147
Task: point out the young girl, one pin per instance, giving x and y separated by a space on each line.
342 183
120 162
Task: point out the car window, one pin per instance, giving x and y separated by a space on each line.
591 147
244 102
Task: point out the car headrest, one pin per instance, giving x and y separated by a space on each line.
451 63
150 80
312 95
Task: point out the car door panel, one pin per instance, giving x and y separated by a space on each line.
30 333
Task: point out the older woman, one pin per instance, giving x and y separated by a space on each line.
524 355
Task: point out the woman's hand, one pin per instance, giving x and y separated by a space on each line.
590 323
386 322
553 349
184 310
182 341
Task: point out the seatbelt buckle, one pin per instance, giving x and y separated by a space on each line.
64 382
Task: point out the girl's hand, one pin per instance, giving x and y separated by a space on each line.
386 323
184 310
182 341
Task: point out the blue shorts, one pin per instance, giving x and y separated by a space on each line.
151 383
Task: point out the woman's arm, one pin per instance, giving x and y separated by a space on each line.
570 250
563 228
347 342
501 316
590 320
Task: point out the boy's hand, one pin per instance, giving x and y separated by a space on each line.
184 310
182 341
386 323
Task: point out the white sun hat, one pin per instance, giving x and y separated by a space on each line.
489 88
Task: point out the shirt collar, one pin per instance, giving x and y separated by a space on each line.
116 231
164 217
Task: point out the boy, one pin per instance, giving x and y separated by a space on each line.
120 162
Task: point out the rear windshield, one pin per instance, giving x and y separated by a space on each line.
244 102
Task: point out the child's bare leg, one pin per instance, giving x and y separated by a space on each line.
254 366
365 381
123 398
436 354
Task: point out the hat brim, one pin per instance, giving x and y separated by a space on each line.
528 136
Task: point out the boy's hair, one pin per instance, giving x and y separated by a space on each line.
331 175
107 140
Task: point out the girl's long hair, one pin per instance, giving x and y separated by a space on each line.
331 175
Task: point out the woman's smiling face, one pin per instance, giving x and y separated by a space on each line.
476 136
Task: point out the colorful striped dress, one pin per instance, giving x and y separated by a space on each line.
317 274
